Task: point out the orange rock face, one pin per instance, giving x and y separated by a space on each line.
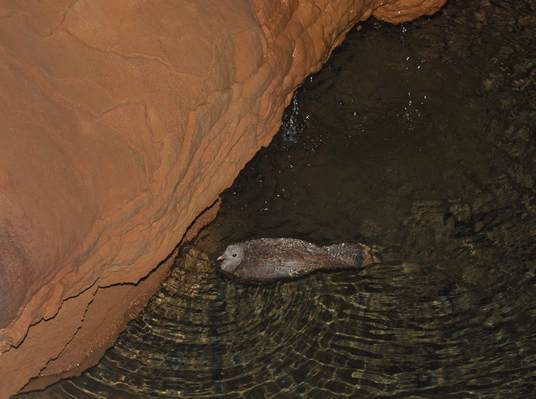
398 11
121 122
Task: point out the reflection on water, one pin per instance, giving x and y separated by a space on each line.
418 140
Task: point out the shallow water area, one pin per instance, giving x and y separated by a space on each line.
418 140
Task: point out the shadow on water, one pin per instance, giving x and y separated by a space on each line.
418 140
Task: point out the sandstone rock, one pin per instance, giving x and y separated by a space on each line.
121 122
398 11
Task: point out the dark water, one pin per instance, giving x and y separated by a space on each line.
419 140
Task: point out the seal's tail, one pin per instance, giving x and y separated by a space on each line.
341 256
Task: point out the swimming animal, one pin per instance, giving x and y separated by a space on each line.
269 260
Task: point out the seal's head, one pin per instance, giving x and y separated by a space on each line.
231 258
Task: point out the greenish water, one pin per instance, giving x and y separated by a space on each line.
418 140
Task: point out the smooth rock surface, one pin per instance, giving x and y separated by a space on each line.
121 122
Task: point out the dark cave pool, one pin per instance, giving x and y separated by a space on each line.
418 140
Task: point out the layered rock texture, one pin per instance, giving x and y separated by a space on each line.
121 121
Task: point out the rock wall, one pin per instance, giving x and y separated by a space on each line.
121 122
